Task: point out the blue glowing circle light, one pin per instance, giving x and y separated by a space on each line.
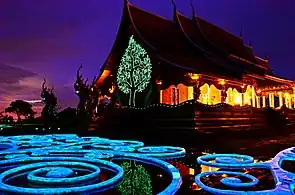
74 165
284 180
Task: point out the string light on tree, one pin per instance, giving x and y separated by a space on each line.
134 72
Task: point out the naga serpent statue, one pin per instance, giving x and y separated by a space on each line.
88 96
49 113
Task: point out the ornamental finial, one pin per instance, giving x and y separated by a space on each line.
193 9
174 5
241 33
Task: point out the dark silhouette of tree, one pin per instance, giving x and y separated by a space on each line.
20 108
88 96
49 113
67 120
5 118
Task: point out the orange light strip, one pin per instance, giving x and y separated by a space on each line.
256 76
244 60
102 77
279 79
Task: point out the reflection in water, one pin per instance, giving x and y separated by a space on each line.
136 181
145 176
189 168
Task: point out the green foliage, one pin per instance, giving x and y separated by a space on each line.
136 181
134 72
20 108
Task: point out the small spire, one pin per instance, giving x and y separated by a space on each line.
174 10
241 33
266 58
174 5
193 9
250 43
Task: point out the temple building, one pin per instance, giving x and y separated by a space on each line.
184 59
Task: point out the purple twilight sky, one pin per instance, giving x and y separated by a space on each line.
50 38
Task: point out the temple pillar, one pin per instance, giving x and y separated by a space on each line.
190 92
161 96
253 97
258 101
281 98
271 100
196 91
209 96
263 102
223 94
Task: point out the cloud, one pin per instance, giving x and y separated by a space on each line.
17 83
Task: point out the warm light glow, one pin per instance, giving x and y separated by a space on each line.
248 96
111 90
209 95
159 82
204 94
190 92
237 97
194 76
215 95
182 93
161 96
281 99
222 82
102 77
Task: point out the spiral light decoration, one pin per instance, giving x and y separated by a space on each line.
285 181
73 164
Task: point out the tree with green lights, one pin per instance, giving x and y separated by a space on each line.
134 72
136 181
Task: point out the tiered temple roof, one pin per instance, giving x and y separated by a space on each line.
192 44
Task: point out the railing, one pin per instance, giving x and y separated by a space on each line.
193 117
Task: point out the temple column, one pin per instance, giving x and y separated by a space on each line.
281 99
271 100
209 96
258 101
263 102
223 94
253 97
190 92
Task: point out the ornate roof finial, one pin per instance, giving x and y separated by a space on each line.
241 33
174 5
174 10
193 9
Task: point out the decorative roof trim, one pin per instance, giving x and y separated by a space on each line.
280 80
244 60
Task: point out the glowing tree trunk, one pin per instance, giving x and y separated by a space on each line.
134 72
